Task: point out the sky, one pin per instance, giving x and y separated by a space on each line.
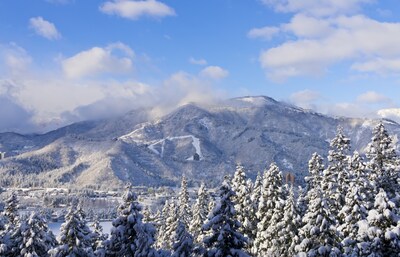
63 61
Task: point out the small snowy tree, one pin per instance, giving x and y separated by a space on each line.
129 235
33 238
183 245
11 211
225 239
75 238
168 226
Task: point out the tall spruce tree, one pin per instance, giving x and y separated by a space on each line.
225 239
131 237
383 162
200 213
166 231
271 198
184 212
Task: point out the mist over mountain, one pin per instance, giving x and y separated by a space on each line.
203 143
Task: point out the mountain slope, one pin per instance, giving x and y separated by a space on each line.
202 143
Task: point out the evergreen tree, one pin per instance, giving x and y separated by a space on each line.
183 245
287 234
337 173
131 237
242 200
33 238
200 212
11 211
12 222
225 239
383 162
75 237
379 235
98 239
184 212
318 233
271 198
352 212
167 229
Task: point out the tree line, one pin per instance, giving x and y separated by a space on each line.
349 207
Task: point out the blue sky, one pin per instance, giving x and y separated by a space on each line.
68 60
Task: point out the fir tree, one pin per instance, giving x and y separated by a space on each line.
11 211
271 198
200 212
183 245
8 237
287 236
383 162
167 229
318 234
184 212
33 238
98 239
379 235
75 237
225 239
242 202
131 237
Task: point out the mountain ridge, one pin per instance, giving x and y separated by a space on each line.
202 142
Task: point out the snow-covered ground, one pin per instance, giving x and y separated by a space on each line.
55 227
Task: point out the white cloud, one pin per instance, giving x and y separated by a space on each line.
44 28
197 61
98 60
372 97
134 9
317 7
321 42
390 113
14 59
264 33
214 72
305 98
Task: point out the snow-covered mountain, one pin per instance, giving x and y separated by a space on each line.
204 143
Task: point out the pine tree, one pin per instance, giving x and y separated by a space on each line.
379 235
337 173
11 211
383 162
33 238
287 236
168 226
318 234
75 237
271 198
8 238
242 202
225 239
131 237
200 212
183 244
98 239
184 212
352 212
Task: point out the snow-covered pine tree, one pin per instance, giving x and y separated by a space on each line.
168 226
272 196
242 200
184 212
11 211
287 236
379 235
337 172
183 244
75 238
383 162
33 238
131 237
256 192
98 239
200 213
352 212
318 234
225 238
